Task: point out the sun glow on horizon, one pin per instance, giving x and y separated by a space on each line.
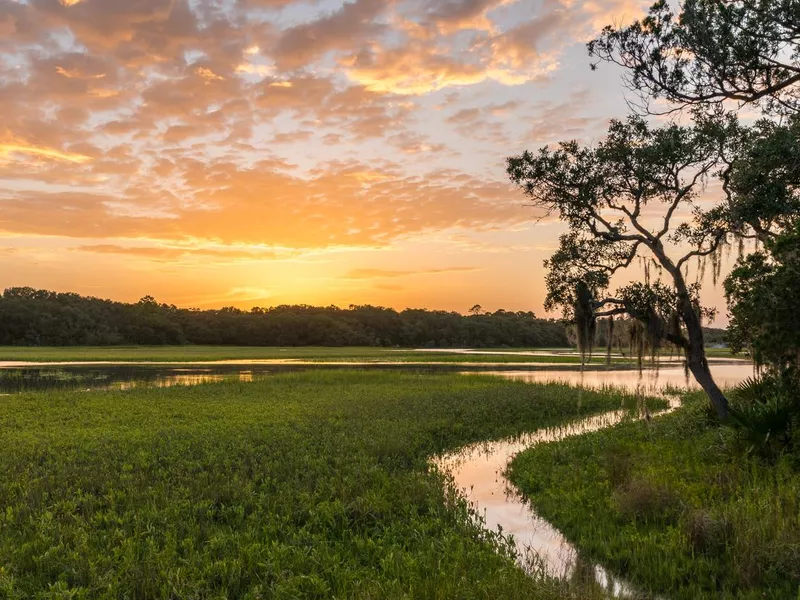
226 152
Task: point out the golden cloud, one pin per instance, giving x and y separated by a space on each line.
338 206
8 151
75 74
170 253
386 273
208 74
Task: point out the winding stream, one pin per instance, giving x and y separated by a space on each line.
478 470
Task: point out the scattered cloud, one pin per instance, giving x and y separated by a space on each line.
186 132
171 253
386 273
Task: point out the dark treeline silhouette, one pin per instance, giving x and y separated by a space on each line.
30 317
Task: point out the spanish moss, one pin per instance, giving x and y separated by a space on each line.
585 321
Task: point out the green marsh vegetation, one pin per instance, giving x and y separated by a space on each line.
303 485
680 505
188 353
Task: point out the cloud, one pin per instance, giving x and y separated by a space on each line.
171 253
247 294
421 64
9 151
352 24
455 15
384 273
342 204
270 122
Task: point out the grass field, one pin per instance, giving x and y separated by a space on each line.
305 485
674 507
317 354
212 353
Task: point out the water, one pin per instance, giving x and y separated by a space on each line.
15 380
18 376
650 380
478 471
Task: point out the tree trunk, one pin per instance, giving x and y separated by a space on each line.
701 372
696 354
695 348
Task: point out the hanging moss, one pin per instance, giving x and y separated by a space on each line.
585 320
636 341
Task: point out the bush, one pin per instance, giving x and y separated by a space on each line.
641 500
765 412
618 464
707 534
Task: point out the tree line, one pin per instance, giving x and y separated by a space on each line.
31 317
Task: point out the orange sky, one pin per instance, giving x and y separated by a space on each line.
259 152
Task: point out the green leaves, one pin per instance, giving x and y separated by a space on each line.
762 293
305 485
711 51
765 412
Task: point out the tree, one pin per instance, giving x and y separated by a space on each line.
476 310
762 292
763 288
622 200
30 316
708 55
747 51
764 181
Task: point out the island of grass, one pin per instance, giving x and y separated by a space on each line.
302 485
191 353
675 505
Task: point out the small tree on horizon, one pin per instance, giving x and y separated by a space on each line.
632 196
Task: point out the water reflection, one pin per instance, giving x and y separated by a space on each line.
116 378
17 377
191 378
632 380
478 471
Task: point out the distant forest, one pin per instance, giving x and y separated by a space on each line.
30 317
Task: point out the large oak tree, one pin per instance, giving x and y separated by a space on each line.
633 195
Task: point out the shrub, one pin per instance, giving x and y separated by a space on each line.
765 412
708 534
619 464
642 500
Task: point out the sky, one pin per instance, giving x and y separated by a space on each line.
262 152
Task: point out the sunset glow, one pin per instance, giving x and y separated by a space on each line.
244 152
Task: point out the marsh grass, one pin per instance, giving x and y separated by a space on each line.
211 353
302 485
673 506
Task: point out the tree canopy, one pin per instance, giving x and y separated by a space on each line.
623 199
708 56
711 51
